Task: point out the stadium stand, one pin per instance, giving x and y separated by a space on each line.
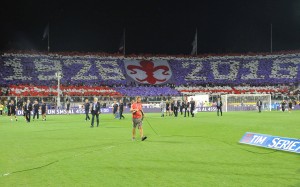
148 91
30 74
45 91
191 90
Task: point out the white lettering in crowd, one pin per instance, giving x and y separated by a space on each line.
83 73
291 68
233 70
60 111
258 139
20 112
17 68
104 110
50 111
206 109
195 74
44 66
112 71
289 145
253 69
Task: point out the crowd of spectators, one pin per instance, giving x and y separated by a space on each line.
191 90
92 74
45 91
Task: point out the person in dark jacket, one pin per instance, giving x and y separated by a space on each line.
121 109
28 109
12 110
180 104
283 103
176 105
95 110
36 107
290 105
87 106
186 108
259 104
115 109
44 110
219 106
192 103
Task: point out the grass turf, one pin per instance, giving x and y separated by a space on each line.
200 151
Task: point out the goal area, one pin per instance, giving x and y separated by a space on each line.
245 102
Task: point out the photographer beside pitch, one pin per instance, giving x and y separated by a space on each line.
137 118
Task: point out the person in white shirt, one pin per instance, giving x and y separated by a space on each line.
162 106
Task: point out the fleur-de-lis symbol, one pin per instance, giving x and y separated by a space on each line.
148 67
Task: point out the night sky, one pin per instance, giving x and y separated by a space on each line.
152 27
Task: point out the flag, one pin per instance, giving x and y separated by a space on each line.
46 32
194 44
122 44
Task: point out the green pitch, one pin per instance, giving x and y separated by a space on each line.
200 151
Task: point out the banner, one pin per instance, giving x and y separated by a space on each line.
146 109
271 142
206 109
148 71
81 111
108 70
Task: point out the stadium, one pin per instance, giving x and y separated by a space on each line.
123 119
